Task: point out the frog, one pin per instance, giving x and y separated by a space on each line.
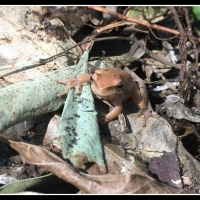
114 86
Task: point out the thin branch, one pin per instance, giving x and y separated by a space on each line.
161 28
182 44
120 16
177 20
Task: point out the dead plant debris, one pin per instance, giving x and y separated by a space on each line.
47 131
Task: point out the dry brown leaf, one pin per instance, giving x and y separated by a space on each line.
90 184
25 42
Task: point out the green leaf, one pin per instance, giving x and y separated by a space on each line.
149 12
22 185
195 12
78 130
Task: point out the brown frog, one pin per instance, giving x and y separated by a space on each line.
114 86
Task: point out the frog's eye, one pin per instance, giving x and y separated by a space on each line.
119 86
91 79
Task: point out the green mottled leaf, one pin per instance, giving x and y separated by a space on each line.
78 130
31 98
149 11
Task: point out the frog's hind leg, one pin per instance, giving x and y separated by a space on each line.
147 112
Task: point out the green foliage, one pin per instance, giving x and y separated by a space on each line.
26 184
195 13
149 11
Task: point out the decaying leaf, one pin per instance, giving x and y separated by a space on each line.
167 168
24 42
78 130
36 96
73 18
143 144
151 141
27 99
174 107
90 184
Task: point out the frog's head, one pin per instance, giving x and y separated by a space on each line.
106 83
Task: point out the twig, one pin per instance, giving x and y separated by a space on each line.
154 56
191 38
186 35
149 20
182 49
177 20
161 28
65 52
162 39
182 43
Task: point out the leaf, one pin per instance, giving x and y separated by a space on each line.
22 185
24 100
78 130
27 99
149 12
151 141
175 107
167 168
24 41
195 12
89 184
21 46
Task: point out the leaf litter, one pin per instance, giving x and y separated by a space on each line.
139 147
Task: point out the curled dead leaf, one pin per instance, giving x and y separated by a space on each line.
90 184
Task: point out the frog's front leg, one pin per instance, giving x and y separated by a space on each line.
116 110
75 82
